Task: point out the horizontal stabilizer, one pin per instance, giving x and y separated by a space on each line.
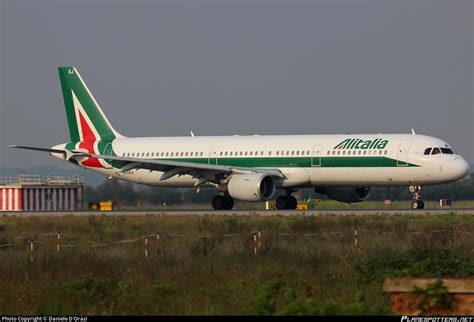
36 149
67 154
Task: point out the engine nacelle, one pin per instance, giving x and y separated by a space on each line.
251 187
345 194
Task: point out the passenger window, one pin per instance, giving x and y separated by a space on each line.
344 152
202 153
427 151
360 151
261 152
269 152
251 153
292 152
446 151
365 152
333 152
338 152
278 152
435 151
386 151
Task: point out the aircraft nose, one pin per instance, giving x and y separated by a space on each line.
460 167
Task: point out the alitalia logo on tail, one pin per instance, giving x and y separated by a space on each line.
362 144
89 128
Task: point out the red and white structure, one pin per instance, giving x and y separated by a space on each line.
35 193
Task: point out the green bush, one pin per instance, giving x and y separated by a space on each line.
425 262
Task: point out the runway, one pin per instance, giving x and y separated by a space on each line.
322 212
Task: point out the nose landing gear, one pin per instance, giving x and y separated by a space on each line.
417 203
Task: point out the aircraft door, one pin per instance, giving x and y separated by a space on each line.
402 153
213 153
316 155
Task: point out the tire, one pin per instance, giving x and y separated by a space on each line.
421 204
218 202
282 202
229 202
292 203
415 204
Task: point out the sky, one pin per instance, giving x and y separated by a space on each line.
239 67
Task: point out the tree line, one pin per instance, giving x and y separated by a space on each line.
132 194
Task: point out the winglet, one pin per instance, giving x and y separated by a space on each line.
413 132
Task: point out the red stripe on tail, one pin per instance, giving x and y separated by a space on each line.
88 143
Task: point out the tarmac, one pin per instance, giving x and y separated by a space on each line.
320 212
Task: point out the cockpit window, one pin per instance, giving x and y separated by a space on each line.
427 151
435 151
446 151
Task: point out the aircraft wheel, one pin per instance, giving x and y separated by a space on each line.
218 202
417 204
281 202
229 202
292 202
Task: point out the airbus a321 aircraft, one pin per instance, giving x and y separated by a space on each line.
251 168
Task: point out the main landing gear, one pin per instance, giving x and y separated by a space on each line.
222 202
417 203
287 202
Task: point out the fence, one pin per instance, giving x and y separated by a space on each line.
256 238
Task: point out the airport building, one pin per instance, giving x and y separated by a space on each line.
38 193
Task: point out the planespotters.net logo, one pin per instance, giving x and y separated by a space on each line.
437 319
362 144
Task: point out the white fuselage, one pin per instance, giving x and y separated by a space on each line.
304 160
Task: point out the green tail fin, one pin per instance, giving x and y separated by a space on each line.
86 121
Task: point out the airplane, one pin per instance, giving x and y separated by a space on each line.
344 167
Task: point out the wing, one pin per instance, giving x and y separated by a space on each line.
201 171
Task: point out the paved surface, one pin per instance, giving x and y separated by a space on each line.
246 212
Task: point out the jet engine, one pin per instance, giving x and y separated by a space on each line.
251 187
345 194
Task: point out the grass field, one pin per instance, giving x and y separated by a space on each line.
305 265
